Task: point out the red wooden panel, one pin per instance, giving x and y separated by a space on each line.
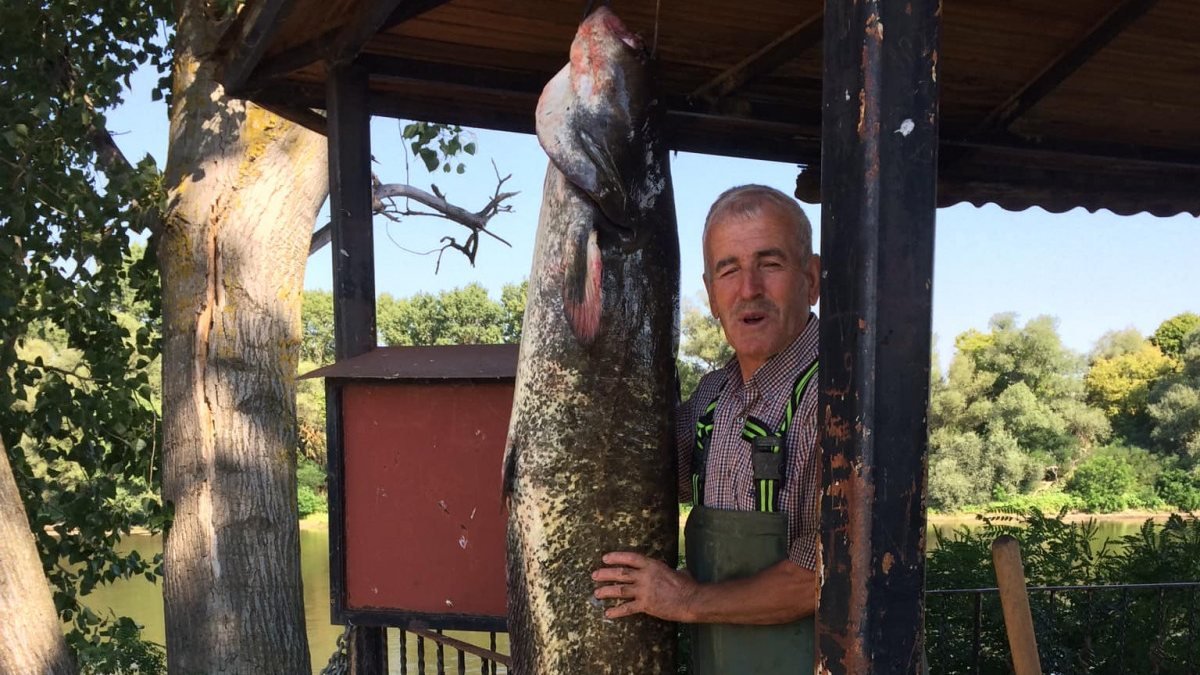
425 521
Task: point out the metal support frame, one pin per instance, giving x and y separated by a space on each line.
878 184
349 132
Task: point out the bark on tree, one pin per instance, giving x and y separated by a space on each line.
244 188
31 638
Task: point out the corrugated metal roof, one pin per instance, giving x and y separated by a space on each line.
452 362
1055 104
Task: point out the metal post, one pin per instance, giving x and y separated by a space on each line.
349 124
878 189
350 211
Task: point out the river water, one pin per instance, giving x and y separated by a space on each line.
142 600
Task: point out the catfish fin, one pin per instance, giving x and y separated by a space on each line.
508 471
582 298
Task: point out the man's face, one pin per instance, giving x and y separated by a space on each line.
760 284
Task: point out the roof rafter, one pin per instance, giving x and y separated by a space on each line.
1065 64
247 39
372 17
774 54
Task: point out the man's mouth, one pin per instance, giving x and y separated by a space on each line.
753 318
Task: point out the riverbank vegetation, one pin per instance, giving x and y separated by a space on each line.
1096 631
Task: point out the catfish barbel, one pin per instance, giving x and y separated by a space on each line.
590 464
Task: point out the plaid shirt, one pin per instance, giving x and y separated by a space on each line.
729 483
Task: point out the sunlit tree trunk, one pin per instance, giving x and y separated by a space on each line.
31 639
244 187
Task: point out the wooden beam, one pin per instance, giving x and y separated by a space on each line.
364 22
788 46
336 44
303 116
1061 67
878 193
350 210
247 38
273 68
410 9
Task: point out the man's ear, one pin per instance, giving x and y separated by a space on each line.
814 279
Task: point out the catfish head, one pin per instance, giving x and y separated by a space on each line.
594 122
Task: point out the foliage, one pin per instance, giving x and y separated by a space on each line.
117 648
311 475
1175 406
1097 631
1115 343
1120 386
316 328
77 335
309 502
703 348
1170 333
1010 407
1103 483
461 316
437 145
1180 489
310 416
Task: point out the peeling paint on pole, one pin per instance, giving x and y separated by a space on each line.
878 194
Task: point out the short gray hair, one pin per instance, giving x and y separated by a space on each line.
748 201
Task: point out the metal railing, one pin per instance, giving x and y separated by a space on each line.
1101 630
450 654
1098 630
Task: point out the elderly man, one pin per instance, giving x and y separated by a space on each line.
748 457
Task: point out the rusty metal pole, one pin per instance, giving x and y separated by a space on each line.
878 188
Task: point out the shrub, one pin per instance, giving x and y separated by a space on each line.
311 475
1104 483
309 502
1180 489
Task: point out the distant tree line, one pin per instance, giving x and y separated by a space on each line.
1020 418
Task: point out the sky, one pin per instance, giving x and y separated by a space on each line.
1095 272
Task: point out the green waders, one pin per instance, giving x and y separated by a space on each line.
723 544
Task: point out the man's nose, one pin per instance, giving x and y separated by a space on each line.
752 284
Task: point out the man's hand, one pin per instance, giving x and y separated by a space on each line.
646 586
781 593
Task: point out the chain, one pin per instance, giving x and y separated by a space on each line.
339 661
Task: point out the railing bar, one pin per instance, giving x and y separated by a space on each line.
467 647
1053 653
462 662
1124 621
492 643
978 630
1191 643
441 654
403 652
1087 638
420 654
1098 587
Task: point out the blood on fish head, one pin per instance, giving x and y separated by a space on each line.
592 120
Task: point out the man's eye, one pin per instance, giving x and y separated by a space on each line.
727 272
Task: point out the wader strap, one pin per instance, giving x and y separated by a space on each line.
768 450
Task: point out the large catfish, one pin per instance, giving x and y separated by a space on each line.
590 466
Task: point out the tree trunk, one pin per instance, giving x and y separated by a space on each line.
31 638
244 187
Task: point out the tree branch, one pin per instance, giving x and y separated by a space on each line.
383 202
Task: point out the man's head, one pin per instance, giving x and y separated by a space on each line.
761 275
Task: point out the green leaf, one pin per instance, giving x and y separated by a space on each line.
469 148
